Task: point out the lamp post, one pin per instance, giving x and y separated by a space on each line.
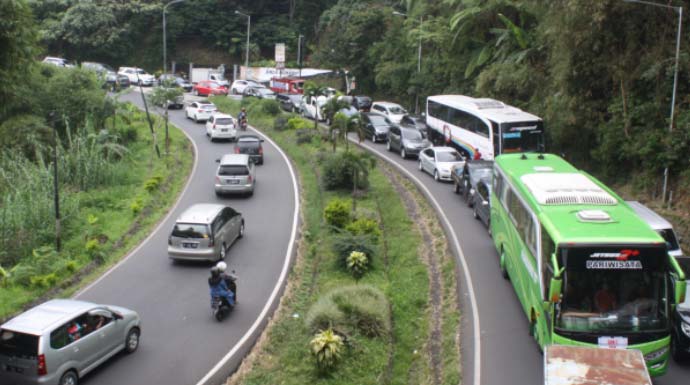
56 191
165 40
249 23
299 53
419 57
675 76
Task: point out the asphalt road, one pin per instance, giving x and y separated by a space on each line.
181 341
505 351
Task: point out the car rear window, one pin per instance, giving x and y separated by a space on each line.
233 170
21 345
208 107
248 143
190 230
225 121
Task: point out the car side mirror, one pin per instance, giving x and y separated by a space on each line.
261 140
485 203
680 290
217 160
555 290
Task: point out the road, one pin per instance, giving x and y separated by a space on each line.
181 341
507 354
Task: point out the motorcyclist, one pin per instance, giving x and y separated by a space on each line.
229 278
242 118
219 288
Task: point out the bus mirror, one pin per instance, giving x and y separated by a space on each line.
680 291
555 289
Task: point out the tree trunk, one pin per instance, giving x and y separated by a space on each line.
626 118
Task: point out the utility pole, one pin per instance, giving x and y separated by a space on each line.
299 53
56 192
246 59
165 40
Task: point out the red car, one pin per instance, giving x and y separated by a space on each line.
207 87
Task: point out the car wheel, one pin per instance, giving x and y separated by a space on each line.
69 378
373 138
388 145
474 213
241 234
456 187
132 340
678 355
196 119
223 252
420 166
403 154
195 92
466 193
502 264
436 176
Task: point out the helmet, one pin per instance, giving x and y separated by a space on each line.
244 109
221 266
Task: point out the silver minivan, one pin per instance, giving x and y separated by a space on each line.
660 225
58 342
204 232
236 174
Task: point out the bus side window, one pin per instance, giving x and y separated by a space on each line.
479 127
547 248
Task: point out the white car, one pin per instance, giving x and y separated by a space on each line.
313 108
200 111
238 86
137 76
439 162
57 61
221 126
393 111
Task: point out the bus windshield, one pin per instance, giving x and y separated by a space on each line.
614 289
522 137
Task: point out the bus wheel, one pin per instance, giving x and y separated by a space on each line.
502 263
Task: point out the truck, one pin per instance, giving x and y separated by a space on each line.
579 365
287 85
199 74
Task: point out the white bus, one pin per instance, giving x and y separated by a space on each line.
485 125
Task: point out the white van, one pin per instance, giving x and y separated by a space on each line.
660 225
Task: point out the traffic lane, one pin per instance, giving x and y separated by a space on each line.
504 339
181 341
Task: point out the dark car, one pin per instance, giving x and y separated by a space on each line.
250 145
481 197
417 122
407 141
361 102
123 81
290 102
680 333
259 92
376 126
465 178
176 81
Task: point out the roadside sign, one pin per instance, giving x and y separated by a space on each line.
280 53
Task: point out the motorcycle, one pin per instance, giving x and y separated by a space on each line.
220 307
243 124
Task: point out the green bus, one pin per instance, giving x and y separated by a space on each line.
586 269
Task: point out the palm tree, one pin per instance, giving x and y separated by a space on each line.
361 163
354 124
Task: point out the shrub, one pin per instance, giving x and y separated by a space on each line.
360 308
326 346
280 123
298 123
337 212
339 169
346 242
26 134
364 226
42 269
304 136
152 184
357 264
270 107
4 277
136 206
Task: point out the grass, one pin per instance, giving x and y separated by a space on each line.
105 214
397 270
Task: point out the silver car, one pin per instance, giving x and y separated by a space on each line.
438 161
407 141
60 341
236 174
204 232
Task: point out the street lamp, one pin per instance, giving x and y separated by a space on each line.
675 76
419 57
165 42
249 23
299 53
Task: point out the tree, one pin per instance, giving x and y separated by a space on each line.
330 110
162 96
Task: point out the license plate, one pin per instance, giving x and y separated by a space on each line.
189 245
223 130
233 181
15 369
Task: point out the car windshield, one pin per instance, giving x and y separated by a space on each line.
378 120
141 72
448 156
605 290
412 135
213 85
397 110
523 137
190 230
233 170
224 121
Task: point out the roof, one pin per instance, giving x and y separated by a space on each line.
491 109
387 104
581 221
47 316
200 213
443 149
656 221
579 365
234 159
